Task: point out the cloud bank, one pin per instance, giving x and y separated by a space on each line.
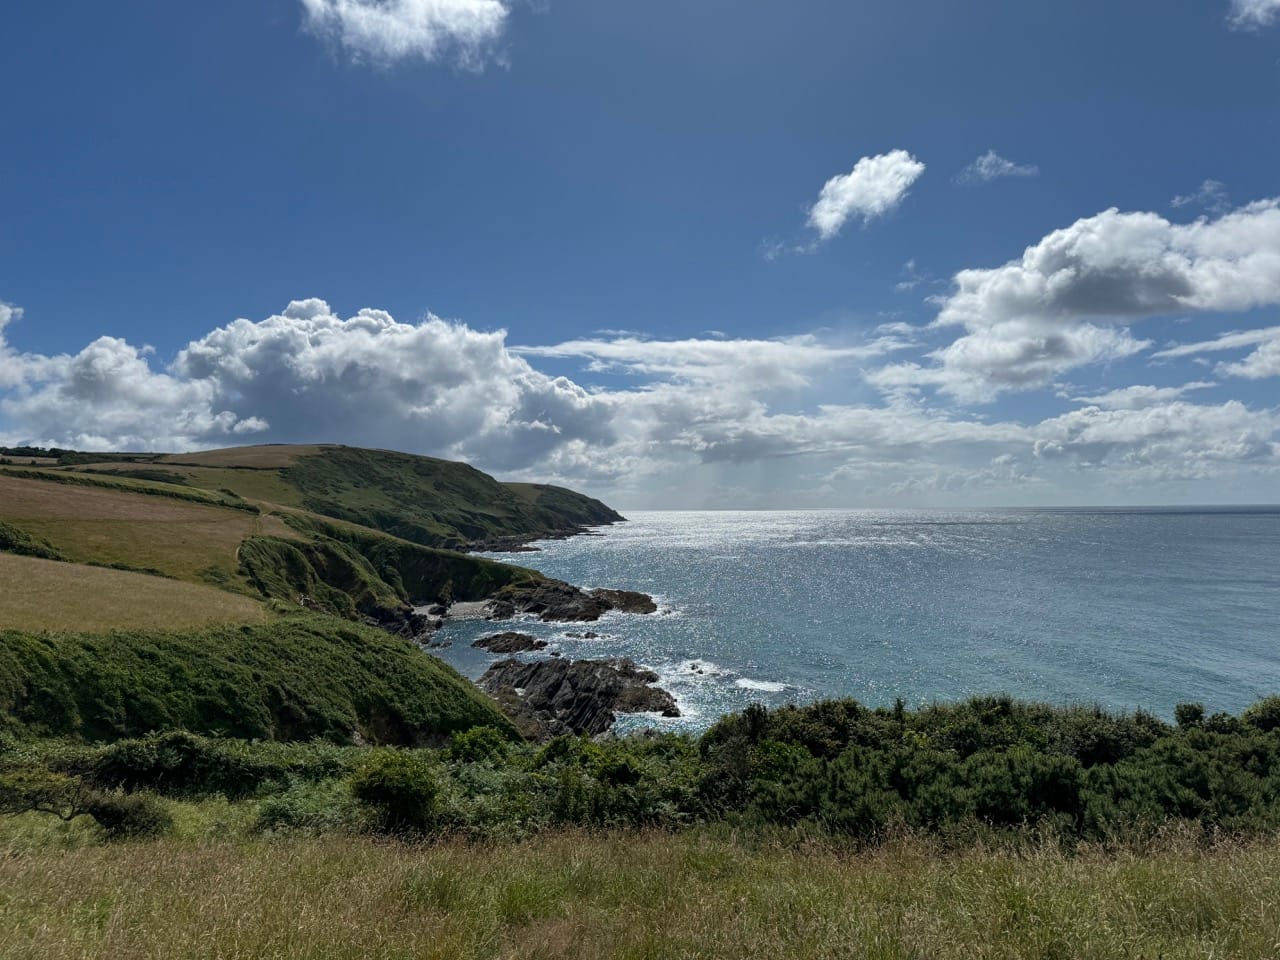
696 422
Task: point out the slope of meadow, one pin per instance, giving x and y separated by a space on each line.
47 595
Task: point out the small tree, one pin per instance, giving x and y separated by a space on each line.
33 789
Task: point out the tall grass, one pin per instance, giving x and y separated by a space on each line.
648 895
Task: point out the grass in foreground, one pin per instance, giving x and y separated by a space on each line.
648 895
47 595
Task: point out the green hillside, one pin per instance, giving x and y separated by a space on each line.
432 502
359 533
297 678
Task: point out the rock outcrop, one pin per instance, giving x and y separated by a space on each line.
627 601
551 697
510 642
555 600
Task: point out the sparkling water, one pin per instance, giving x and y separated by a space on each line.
1125 608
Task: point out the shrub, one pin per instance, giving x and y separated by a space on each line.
312 807
1265 714
1188 715
400 787
123 815
478 744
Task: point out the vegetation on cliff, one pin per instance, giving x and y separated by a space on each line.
295 678
358 533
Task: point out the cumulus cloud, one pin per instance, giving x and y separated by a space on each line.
383 32
875 186
1070 298
1164 441
693 418
991 166
1253 14
435 385
11 367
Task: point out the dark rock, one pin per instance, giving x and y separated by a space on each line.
588 635
414 627
510 643
555 600
552 697
549 600
628 601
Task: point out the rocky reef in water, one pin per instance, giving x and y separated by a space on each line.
555 600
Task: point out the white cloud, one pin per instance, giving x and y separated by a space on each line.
1140 397
1211 195
696 417
1162 442
765 364
1261 363
433 385
383 32
874 187
1227 341
991 166
11 367
1070 298
1253 14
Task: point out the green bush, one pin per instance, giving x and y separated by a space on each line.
479 744
401 788
311 807
123 815
1264 715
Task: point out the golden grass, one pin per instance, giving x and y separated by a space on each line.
646 896
46 595
265 457
263 486
99 525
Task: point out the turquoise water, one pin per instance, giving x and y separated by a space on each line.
1122 607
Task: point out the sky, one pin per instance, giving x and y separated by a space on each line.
679 255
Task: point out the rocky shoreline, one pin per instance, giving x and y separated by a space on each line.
548 698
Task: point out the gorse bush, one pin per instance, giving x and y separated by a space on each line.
989 764
185 764
400 787
122 815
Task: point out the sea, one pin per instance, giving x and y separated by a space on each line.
1126 608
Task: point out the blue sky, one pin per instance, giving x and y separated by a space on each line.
711 254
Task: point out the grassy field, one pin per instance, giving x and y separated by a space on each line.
271 456
46 595
264 486
632 896
90 524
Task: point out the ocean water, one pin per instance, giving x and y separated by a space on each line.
1126 608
